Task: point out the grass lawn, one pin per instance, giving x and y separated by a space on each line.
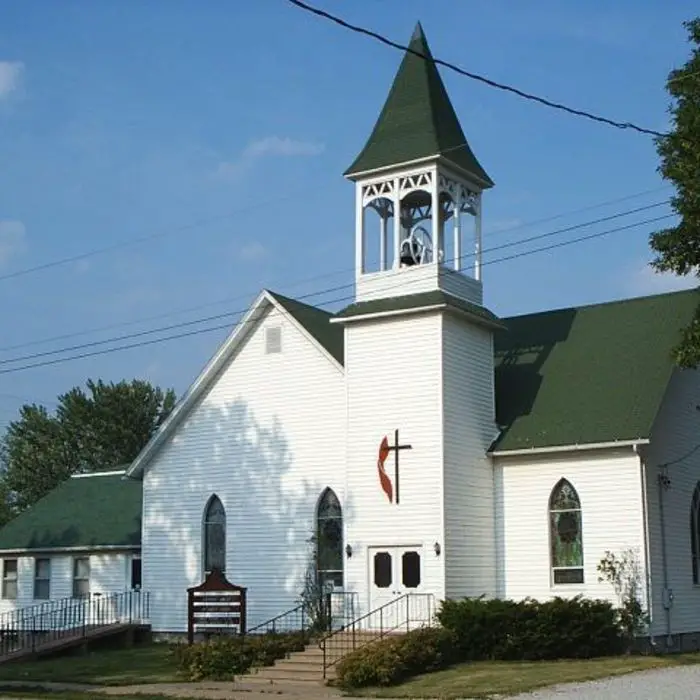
488 678
148 663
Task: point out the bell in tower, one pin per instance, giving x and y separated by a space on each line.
416 180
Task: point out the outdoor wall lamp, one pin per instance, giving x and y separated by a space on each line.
437 549
348 550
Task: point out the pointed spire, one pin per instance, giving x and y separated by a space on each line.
417 120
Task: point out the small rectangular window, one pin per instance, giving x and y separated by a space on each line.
42 579
273 340
81 577
136 573
9 579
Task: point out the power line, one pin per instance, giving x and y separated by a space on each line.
474 76
142 239
226 314
65 336
391 287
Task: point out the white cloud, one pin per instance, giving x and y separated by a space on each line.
12 240
644 279
10 76
252 251
270 146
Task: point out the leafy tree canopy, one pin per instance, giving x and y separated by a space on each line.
101 428
677 248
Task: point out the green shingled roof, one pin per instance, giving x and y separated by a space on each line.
416 302
88 511
316 322
589 374
417 120
570 376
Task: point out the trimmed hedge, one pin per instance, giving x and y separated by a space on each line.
222 658
527 630
396 658
477 629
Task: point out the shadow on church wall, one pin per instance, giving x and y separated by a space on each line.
269 492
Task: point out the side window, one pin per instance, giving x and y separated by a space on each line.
9 579
81 577
136 573
42 579
565 533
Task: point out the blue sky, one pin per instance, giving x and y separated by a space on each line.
218 131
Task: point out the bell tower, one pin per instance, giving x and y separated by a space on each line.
418 354
418 190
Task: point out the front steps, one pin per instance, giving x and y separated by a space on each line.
307 666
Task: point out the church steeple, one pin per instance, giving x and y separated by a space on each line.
417 178
417 121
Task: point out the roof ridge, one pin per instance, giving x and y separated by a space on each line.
282 298
609 302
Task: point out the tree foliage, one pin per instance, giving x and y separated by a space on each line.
101 428
677 248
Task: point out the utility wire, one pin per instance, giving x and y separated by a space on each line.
389 275
240 297
391 287
475 76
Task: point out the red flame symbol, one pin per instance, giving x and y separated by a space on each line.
383 478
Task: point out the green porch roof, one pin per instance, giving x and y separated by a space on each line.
101 510
574 376
417 120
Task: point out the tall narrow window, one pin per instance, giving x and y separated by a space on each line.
81 577
9 578
695 533
214 536
136 573
329 539
566 539
42 579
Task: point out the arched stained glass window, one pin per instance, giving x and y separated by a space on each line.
695 533
214 536
329 539
566 540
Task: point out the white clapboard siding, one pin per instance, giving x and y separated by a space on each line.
393 375
469 430
267 438
609 485
675 437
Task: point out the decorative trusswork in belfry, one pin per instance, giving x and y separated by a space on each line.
384 450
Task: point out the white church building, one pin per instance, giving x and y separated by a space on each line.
530 446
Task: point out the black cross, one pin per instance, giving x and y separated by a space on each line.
395 448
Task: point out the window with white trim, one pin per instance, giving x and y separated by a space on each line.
81 577
136 573
42 579
9 579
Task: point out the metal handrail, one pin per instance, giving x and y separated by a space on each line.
28 628
299 612
382 632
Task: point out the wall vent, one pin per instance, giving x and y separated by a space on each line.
273 340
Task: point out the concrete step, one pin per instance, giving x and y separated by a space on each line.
293 672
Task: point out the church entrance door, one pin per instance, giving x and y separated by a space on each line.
393 572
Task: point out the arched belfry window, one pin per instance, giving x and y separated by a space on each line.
329 539
566 540
214 535
695 533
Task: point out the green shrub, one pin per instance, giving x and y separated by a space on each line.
531 630
222 658
393 659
